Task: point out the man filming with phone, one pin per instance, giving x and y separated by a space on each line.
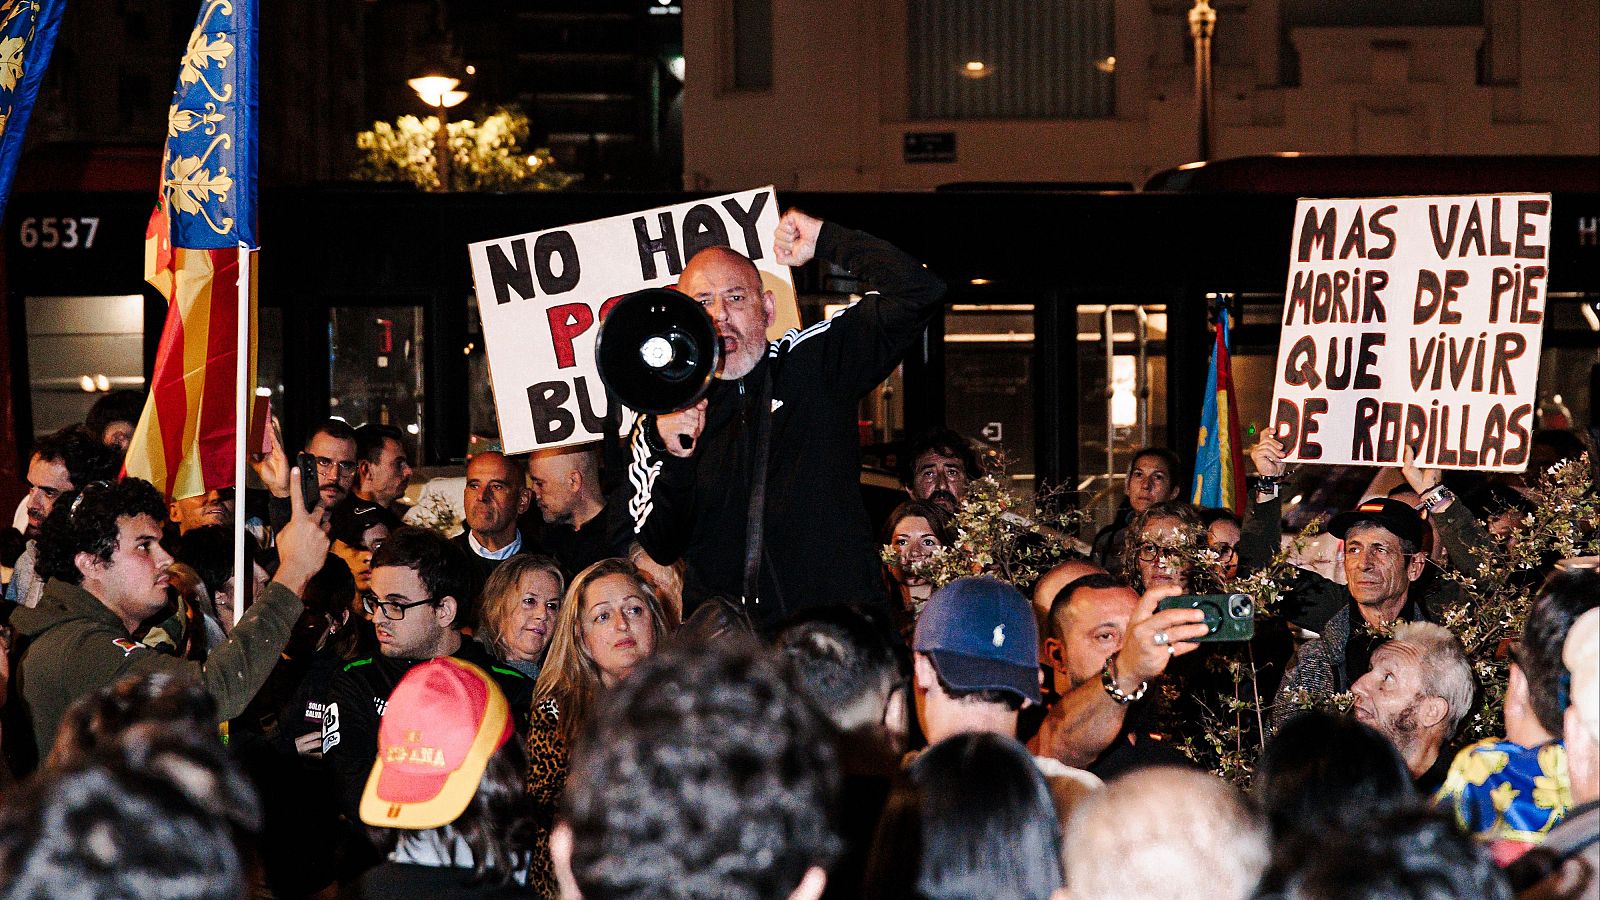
1107 646
329 456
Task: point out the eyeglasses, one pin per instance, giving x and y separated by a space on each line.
1152 552
392 610
345 466
1224 549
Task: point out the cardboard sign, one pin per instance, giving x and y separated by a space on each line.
1413 321
543 295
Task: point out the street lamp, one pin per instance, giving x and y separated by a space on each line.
439 92
1202 24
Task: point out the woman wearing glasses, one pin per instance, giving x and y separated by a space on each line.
520 603
609 621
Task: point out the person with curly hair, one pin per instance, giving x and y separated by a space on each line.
107 573
609 622
705 772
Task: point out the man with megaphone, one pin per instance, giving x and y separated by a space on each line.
756 486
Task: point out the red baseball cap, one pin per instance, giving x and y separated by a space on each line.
443 722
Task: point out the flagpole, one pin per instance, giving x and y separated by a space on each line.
242 580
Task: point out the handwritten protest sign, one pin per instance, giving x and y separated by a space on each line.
543 295
1413 321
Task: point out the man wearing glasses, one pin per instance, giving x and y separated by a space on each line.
420 581
332 447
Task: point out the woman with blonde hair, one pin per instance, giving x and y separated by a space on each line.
521 599
610 620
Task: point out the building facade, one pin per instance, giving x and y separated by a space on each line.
912 94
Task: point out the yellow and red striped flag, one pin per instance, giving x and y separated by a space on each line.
184 444
200 238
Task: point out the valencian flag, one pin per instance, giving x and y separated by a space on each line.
1219 462
27 33
200 240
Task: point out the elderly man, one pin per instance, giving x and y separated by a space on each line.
1106 647
496 494
1164 832
1418 690
566 486
1382 557
776 436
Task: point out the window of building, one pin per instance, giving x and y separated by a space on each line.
752 45
377 373
1010 59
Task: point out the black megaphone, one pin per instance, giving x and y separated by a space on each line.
657 351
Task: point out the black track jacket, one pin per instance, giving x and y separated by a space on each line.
819 549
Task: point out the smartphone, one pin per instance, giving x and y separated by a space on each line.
1229 617
310 485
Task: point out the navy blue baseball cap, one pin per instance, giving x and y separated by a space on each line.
981 635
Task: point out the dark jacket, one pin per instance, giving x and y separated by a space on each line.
73 645
482 568
361 691
819 546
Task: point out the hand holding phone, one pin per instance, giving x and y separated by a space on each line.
1229 617
310 484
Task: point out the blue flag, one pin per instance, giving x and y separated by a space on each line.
208 173
1219 455
27 34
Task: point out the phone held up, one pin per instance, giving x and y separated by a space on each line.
310 485
1229 617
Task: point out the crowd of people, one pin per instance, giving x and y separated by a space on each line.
696 677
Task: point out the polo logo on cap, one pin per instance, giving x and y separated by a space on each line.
999 639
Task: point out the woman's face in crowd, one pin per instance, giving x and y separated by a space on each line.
1155 558
1223 537
618 630
533 615
913 540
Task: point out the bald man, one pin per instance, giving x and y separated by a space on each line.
496 493
566 487
691 474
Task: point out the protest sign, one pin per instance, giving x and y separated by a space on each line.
543 295
1413 321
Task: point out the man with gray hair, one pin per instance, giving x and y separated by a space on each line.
1164 832
1416 693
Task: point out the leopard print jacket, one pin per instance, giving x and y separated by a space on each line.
547 777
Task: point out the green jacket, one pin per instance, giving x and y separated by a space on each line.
72 645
